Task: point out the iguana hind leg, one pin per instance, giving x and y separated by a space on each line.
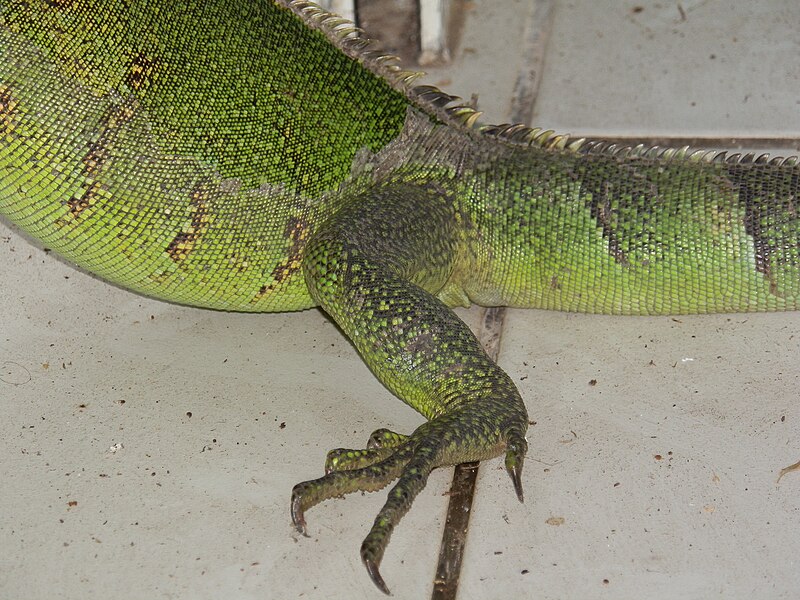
375 267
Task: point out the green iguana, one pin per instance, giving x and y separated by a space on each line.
249 155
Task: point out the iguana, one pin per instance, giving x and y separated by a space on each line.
253 155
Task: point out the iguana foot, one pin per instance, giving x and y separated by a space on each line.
475 431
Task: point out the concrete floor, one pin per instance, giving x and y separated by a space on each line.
149 449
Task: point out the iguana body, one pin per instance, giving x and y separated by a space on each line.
244 156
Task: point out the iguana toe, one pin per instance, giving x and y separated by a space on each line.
380 445
385 438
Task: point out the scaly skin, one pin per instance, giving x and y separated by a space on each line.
241 155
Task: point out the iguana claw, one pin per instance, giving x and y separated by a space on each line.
375 575
515 455
298 518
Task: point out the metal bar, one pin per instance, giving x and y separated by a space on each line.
454 537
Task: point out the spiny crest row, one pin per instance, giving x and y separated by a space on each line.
351 40
682 153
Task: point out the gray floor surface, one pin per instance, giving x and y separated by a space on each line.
148 450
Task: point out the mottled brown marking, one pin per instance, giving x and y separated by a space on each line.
94 160
296 232
423 342
140 71
185 241
602 213
8 110
770 217
98 157
77 204
620 198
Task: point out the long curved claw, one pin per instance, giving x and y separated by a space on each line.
375 575
298 518
516 448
